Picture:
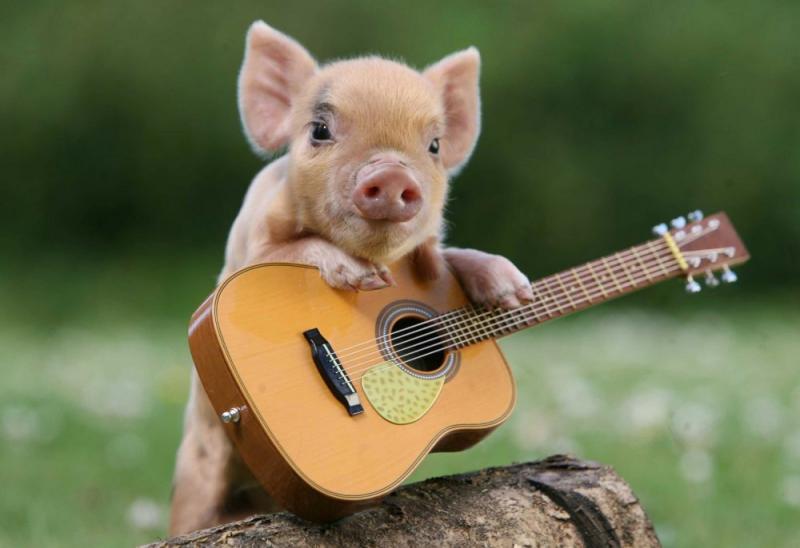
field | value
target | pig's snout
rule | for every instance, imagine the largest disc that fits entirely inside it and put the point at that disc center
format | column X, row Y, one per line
column 387, row 192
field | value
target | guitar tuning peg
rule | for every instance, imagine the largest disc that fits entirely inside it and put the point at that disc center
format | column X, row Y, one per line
column 691, row 285
column 678, row 222
column 695, row 216
column 660, row 229
column 711, row 280
column 728, row 275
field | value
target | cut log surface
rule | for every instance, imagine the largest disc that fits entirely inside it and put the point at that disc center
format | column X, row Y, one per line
column 558, row 501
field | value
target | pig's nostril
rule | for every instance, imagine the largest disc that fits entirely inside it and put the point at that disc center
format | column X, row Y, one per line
column 372, row 192
column 409, row 195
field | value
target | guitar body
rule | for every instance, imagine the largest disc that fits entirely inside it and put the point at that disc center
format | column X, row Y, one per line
column 302, row 443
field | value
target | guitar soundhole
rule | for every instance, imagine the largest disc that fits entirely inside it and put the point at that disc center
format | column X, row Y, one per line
column 418, row 343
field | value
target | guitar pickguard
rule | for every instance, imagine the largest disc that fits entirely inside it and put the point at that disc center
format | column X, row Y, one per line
column 398, row 396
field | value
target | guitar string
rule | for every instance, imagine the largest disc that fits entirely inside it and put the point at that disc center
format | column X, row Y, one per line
column 632, row 252
column 473, row 321
column 383, row 364
column 468, row 318
column 422, row 328
column 559, row 297
column 347, row 351
column 442, row 319
column 654, row 263
column 495, row 325
column 655, row 269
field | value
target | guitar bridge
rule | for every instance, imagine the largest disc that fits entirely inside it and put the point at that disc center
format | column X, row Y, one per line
column 332, row 372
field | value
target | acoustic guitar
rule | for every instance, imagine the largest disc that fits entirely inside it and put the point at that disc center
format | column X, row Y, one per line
column 333, row 397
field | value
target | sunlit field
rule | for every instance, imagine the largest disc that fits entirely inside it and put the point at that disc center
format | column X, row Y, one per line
column 698, row 409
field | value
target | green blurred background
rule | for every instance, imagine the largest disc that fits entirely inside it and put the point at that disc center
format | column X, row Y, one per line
column 123, row 165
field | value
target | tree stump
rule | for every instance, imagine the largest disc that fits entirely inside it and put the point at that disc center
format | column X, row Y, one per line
column 558, row 501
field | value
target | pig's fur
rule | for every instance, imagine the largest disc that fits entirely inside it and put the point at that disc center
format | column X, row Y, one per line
column 299, row 209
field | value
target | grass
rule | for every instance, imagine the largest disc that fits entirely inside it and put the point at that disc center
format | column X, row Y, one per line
column 699, row 410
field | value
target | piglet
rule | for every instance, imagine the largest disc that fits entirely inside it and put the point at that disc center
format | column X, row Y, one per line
column 370, row 147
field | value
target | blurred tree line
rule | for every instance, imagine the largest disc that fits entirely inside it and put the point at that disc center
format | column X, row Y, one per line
column 600, row 118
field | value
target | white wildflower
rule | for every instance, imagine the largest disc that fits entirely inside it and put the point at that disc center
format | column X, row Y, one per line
column 791, row 490
column 694, row 424
column 145, row 514
column 646, row 410
column 696, row 466
column 763, row 417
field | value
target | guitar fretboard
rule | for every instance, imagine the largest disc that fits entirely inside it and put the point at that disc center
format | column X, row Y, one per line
column 565, row 292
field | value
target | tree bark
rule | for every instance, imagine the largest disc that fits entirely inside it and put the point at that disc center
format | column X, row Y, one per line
column 558, row 501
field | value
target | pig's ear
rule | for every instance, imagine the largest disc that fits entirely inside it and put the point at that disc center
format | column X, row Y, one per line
column 274, row 70
column 456, row 78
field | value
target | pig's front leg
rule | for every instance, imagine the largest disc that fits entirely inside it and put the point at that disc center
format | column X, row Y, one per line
column 338, row 268
column 489, row 280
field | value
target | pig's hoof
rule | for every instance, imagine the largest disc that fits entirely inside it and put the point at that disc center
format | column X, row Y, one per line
column 356, row 274
column 495, row 282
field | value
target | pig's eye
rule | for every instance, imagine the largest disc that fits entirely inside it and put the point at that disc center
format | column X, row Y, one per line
column 434, row 148
column 320, row 132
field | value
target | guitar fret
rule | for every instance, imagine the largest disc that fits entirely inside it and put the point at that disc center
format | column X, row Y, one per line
column 507, row 319
column 537, row 296
column 596, row 279
column 513, row 320
column 438, row 326
column 624, row 269
column 455, row 328
column 638, row 258
column 465, row 326
column 442, row 320
column 576, row 290
column 553, row 298
column 658, row 259
column 532, row 315
column 611, row 274
column 469, row 325
column 479, row 324
column 497, row 321
column 521, row 318
column 558, row 296
column 475, row 325
column 454, row 332
column 564, row 287
column 529, row 315
column 483, row 332
column 580, row 283
column 491, row 321
column 497, row 326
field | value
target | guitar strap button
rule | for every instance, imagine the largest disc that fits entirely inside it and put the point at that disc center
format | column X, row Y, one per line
column 231, row 415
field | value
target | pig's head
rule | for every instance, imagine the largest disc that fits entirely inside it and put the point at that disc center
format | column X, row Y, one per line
column 371, row 142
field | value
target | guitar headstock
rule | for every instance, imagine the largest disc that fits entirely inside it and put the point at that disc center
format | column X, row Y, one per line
column 707, row 245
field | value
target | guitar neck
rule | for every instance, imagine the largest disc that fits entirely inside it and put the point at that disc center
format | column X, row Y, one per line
column 566, row 292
